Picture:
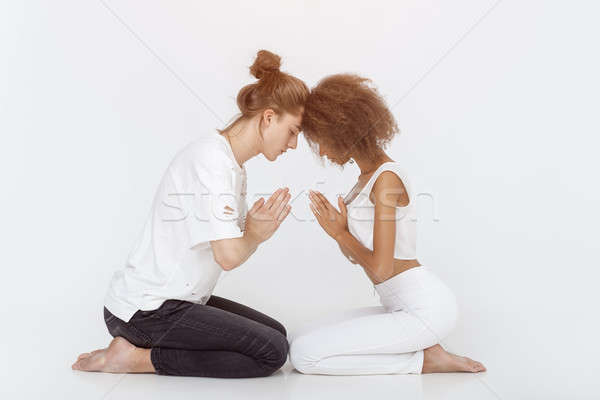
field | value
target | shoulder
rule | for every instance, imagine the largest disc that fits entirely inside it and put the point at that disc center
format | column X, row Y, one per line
column 208, row 153
column 389, row 189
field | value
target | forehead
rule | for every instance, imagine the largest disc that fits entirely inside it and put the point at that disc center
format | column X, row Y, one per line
column 292, row 119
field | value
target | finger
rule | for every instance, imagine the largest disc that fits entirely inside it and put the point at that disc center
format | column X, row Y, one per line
column 316, row 203
column 326, row 202
column 271, row 200
column 285, row 213
column 316, row 200
column 318, row 217
column 342, row 206
column 327, row 210
column 282, row 198
column 322, row 200
column 315, row 213
column 282, row 205
column 257, row 205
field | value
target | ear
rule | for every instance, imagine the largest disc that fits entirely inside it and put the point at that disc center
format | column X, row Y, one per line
column 268, row 116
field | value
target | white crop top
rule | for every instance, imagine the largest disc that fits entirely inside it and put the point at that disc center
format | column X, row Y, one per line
column 361, row 216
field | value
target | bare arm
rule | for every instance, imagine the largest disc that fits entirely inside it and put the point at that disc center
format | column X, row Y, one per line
column 346, row 253
column 388, row 191
column 231, row 253
column 262, row 221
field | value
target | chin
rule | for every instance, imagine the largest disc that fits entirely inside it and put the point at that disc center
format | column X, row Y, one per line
column 270, row 157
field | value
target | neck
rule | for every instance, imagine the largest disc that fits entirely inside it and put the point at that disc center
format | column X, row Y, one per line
column 244, row 139
column 369, row 165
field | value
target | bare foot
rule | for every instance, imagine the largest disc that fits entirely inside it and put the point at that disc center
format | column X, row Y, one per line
column 436, row 359
column 119, row 357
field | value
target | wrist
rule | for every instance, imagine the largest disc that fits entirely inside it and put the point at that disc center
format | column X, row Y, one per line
column 340, row 236
column 252, row 238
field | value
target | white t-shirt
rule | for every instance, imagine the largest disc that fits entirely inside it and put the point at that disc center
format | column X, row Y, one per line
column 172, row 258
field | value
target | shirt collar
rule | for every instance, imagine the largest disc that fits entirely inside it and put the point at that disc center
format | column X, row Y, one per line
column 236, row 166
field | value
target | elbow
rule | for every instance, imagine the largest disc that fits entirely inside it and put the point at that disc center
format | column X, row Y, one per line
column 224, row 254
column 225, row 260
column 383, row 270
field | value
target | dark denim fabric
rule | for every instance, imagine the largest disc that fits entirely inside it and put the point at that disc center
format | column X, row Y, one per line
column 222, row 339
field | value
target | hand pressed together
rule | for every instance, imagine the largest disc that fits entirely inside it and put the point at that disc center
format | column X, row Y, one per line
column 264, row 218
column 333, row 222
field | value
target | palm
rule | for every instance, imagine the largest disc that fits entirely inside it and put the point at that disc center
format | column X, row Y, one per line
column 332, row 221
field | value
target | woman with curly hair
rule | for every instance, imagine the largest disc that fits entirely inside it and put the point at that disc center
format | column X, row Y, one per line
column 345, row 118
column 160, row 308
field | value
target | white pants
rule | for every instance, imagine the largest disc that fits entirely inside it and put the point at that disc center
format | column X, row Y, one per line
column 418, row 310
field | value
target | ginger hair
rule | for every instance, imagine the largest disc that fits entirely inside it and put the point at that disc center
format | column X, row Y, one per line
column 274, row 89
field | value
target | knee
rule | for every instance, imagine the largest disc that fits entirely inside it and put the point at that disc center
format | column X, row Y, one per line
column 279, row 326
column 300, row 355
column 276, row 355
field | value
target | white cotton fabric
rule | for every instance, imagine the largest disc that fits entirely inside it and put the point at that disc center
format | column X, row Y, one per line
column 172, row 257
column 418, row 310
column 361, row 216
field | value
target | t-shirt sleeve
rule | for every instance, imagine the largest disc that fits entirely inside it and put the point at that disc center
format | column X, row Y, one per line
column 214, row 190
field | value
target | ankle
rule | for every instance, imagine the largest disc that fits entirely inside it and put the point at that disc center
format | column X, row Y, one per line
column 141, row 360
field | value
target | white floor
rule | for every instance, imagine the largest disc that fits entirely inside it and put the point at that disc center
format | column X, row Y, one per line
column 520, row 352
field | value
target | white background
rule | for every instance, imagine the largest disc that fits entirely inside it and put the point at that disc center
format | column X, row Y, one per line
column 497, row 103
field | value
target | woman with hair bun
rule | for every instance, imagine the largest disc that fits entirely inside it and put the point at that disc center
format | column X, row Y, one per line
column 346, row 119
column 159, row 308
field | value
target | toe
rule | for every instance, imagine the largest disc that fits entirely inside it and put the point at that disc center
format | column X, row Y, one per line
column 470, row 365
column 83, row 364
column 476, row 366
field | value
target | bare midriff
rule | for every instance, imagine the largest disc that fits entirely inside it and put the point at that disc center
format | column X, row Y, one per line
column 399, row 267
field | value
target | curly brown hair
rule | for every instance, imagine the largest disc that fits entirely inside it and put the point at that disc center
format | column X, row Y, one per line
column 348, row 116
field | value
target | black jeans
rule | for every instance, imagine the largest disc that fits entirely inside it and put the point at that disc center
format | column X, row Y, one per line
column 222, row 339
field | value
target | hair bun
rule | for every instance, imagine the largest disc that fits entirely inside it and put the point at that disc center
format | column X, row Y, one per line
column 265, row 63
